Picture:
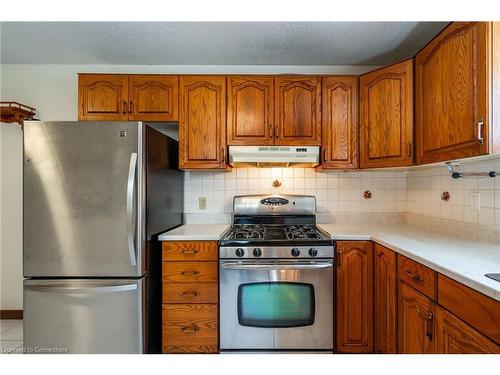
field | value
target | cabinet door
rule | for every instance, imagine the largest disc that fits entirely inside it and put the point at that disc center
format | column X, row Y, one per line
column 153, row 98
column 250, row 110
column 416, row 327
column 202, row 125
column 354, row 297
column 386, row 116
column 457, row 337
column 298, row 111
column 452, row 93
column 386, row 286
column 339, row 124
column 102, row 97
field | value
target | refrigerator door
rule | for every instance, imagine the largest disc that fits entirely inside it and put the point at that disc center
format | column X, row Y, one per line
column 82, row 181
column 83, row 316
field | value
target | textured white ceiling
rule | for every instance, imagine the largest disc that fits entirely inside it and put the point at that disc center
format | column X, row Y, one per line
column 213, row 43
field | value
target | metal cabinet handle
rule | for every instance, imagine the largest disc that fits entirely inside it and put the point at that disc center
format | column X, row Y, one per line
column 324, row 154
column 129, row 204
column 191, row 329
column 130, row 107
column 189, row 273
column 415, row 277
column 190, row 293
column 223, row 155
column 190, row 251
column 429, row 326
column 480, row 125
column 409, row 149
column 271, row 128
column 124, row 107
column 276, row 133
column 339, row 263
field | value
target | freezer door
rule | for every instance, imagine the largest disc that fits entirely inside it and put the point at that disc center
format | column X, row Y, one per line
column 82, row 181
column 83, row 316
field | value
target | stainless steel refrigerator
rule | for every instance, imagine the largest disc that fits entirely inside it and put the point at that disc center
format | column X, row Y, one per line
column 96, row 196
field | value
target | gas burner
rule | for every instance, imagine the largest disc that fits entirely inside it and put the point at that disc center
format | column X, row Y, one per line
column 246, row 232
column 302, row 232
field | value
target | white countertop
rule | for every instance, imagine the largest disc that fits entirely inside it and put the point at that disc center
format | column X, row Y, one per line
column 462, row 260
column 195, row 232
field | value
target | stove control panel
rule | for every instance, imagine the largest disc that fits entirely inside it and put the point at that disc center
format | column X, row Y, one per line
column 227, row 252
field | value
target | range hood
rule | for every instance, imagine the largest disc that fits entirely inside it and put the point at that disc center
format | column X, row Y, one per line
column 274, row 156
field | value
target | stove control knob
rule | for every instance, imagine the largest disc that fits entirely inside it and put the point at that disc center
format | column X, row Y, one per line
column 257, row 252
column 313, row 252
column 295, row 252
column 240, row 252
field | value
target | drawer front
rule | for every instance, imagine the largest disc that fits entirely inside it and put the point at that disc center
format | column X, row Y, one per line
column 189, row 250
column 190, row 328
column 476, row 309
column 190, row 293
column 418, row 276
column 190, row 272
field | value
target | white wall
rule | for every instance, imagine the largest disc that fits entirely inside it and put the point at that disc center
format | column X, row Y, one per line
column 53, row 89
column 11, row 224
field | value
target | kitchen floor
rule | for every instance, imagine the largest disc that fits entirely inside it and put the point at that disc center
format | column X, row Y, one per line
column 11, row 336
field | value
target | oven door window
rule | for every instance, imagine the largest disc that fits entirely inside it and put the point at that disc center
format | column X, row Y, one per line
column 276, row 304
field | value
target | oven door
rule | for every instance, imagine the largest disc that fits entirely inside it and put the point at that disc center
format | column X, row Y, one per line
column 276, row 304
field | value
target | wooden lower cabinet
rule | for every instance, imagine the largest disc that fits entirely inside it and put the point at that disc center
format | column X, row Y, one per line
column 385, row 300
column 416, row 326
column 190, row 328
column 190, row 296
column 354, row 297
column 456, row 337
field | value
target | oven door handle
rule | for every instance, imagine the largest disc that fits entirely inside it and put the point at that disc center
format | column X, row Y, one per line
column 276, row 265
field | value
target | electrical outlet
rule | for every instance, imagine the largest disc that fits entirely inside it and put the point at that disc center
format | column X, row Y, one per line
column 475, row 199
column 202, row 203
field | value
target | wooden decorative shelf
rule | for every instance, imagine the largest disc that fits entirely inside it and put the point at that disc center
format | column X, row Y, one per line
column 15, row 112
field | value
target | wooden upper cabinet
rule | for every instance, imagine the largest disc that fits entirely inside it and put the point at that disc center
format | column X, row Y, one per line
column 386, row 116
column 250, row 110
column 385, row 296
column 452, row 84
column 339, row 125
column 102, row 97
column 202, row 125
column 416, row 322
column 457, row 337
column 298, row 112
column 354, row 303
column 153, row 98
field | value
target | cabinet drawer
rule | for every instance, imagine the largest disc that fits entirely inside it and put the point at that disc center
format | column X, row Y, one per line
column 476, row 309
column 418, row 276
column 190, row 293
column 189, row 250
column 189, row 328
column 190, row 272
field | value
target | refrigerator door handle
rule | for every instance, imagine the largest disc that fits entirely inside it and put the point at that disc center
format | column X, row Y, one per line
column 61, row 288
column 130, row 201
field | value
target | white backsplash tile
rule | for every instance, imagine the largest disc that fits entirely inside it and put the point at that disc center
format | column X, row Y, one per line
column 414, row 191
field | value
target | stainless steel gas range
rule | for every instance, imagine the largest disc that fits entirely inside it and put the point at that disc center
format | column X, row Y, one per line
column 276, row 276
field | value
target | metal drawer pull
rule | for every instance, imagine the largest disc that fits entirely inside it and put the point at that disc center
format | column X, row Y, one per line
column 189, row 273
column 415, row 277
column 191, row 293
column 190, row 251
column 191, row 329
